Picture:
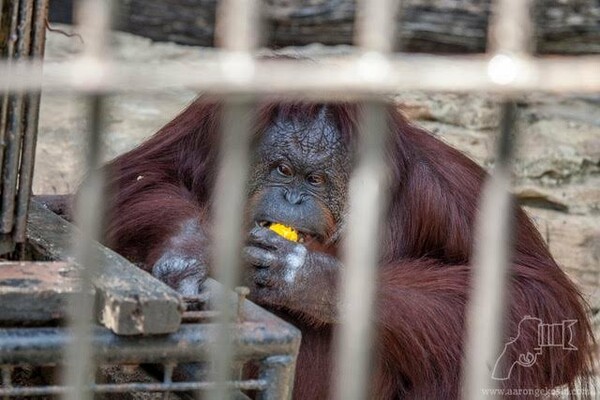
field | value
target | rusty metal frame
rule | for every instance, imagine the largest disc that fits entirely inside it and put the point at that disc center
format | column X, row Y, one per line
column 256, row 335
column 139, row 304
column 18, row 120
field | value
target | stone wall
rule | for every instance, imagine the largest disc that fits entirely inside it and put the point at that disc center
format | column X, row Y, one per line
column 556, row 173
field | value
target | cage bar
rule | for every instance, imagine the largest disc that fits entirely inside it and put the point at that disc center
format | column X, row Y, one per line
column 510, row 28
column 238, row 35
column 331, row 77
column 376, row 25
column 79, row 367
column 230, row 195
column 22, row 40
column 375, row 33
column 361, row 257
column 11, row 118
column 510, row 38
column 492, row 259
column 94, row 21
column 255, row 384
column 38, row 42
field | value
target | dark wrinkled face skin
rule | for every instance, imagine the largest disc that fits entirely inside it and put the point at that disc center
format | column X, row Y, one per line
column 300, row 178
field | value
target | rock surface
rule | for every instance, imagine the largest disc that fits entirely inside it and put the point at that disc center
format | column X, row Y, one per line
column 557, row 171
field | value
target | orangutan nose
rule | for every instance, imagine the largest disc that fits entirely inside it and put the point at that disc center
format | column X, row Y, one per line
column 294, row 196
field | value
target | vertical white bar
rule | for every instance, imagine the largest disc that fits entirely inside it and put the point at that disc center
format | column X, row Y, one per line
column 361, row 255
column 510, row 29
column 375, row 27
column 491, row 261
column 78, row 359
column 229, row 202
column 237, row 33
column 93, row 22
column 238, row 25
column 93, row 18
column 509, row 37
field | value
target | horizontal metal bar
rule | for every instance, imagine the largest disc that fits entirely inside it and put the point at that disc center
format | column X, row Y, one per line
column 255, row 384
column 261, row 335
column 347, row 76
column 191, row 343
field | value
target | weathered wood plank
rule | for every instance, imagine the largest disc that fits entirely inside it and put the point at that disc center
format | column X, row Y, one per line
column 59, row 204
column 36, row 292
column 129, row 301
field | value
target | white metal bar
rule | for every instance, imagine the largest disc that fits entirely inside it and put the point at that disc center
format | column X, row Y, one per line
column 238, row 25
column 491, row 262
column 94, row 22
column 510, row 39
column 510, row 30
column 361, row 256
column 78, row 359
column 375, row 35
column 229, row 201
column 327, row 78
column 238, row 29
column 376, row 25
column 93, row 18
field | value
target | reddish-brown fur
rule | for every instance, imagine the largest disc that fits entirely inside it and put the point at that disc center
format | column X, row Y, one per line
column 424, row 274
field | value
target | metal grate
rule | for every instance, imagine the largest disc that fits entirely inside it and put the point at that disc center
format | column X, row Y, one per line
column 507, row 68
column 23, row 31
column 257, row 335
column 130, row 306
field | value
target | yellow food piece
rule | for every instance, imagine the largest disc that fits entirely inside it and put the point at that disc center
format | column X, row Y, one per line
column 286, row 232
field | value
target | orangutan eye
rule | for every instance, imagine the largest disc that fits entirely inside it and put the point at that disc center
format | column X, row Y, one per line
column 285, row 170
column 315, row 180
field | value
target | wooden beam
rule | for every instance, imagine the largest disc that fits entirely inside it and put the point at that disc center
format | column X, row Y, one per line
column 129, row 301
column 36, row 292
